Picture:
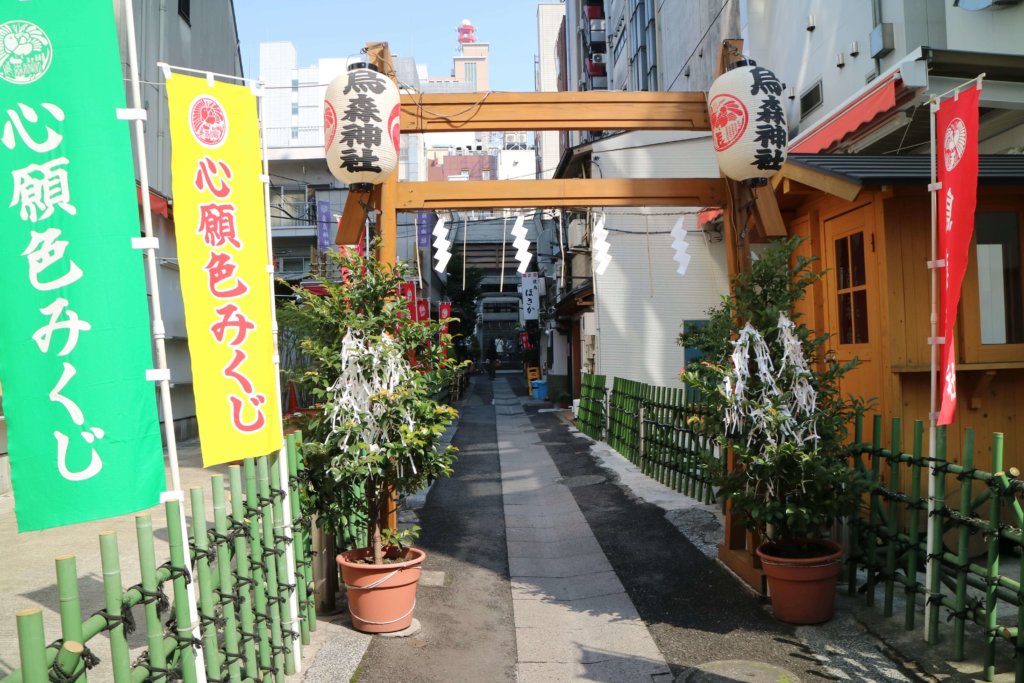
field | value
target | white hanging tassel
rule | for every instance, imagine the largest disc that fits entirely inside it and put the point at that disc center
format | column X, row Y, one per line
column 443, row 246
column 681, row 246
column 521, row 244
column 599, row 246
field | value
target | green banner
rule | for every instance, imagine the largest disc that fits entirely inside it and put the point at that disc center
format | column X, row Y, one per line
column 83, row 435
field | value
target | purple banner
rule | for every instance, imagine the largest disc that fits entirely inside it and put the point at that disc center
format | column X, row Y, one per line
column 323, row 226
column 423, row 229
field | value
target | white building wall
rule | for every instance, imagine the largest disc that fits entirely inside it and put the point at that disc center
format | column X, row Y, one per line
column 549, row 20
column 640, row 300
column 996, row 30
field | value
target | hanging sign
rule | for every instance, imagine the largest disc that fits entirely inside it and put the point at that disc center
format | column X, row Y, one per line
column 222, row 258
column 422, row 309
column 423, row 229
column 83, row 435
column 956, row 127
column 531, row 296
column 323, row 226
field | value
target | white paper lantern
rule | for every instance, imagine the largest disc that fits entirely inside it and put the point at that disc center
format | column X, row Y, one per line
column 361, row 126
column 748, row 122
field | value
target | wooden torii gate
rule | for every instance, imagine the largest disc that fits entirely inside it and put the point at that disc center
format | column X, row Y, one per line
column 547, row 111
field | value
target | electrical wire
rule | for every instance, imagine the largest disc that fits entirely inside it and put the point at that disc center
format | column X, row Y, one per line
column 699, row 43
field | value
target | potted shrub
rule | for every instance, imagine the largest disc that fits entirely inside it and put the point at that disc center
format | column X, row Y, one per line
column 773, row 398
column 377, row 429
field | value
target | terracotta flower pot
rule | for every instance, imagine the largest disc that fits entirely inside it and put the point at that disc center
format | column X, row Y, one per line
column 381, row 597
column 802, row 589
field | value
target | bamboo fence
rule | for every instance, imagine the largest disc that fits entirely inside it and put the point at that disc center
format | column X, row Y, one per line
column 239, row 566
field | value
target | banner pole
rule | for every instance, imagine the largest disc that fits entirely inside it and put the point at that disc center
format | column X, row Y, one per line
column 282, row 457
column 150, row 255
column 932, row 375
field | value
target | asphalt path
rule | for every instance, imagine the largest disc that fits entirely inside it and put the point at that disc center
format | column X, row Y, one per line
column 467, row 625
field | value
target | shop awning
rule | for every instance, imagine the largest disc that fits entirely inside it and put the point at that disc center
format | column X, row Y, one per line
column 157, row 204
column 877, row 102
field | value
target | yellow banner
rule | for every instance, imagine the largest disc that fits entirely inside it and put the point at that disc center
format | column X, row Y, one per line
column 220, row 224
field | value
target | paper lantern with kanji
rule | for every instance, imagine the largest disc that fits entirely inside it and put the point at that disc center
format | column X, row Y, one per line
column 748, row 122
column 361, row 126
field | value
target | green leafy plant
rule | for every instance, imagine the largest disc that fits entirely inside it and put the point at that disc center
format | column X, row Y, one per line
column 772, row 396
column 373, row 373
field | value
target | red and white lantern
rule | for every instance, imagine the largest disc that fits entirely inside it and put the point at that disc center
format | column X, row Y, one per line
column 361, row 126
column 748, row 122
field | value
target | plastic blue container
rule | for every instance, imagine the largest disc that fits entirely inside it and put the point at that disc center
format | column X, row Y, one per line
column 540, row 389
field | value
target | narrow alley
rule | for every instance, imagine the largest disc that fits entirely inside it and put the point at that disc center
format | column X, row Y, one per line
column 542, row 566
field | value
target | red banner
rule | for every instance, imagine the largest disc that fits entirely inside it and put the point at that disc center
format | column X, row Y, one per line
column 956, row 129
column 444, row 311
column 407, row 290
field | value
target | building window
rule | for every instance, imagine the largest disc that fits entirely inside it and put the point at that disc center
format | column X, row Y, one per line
column 1000, row 296
column 185, row 10
column 295, row 108
column 485, row 175
column 644, row 57
column 810, row 100
column 471, row 73
column 295, row 84
column 851, row 289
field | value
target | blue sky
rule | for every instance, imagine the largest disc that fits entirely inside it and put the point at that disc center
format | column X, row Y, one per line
column 424, row 29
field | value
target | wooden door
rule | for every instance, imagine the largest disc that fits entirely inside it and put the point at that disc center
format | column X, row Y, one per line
column 852, row 301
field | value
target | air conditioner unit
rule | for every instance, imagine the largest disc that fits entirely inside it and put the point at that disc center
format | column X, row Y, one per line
column 577, row 233
column 589, row 324
column 599, row 58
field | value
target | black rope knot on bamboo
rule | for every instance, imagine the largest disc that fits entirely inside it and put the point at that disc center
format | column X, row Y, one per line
column 284, row 539
column 215, row 621
column 59, row 675
column 177, row 572
column 216, row 537
column 207, row 554
column 149, row 597
column 969, row 474
column 125, row 619
column 229, row 597
column 276, row 493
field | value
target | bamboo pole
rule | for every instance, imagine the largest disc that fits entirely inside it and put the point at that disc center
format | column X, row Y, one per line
column 274, row 599
column 70, row 603
column 69, row 661
column 201, row 544
column 914, row 531
column 854, row 519
column 874, row 507
column 963, row 557
column 936, row 501
column 182, row 615
column 300, row 540
column 310, row 608
column 227, row 581
column 991, row 597
column 281, row 534
column 247, row 624
column 113, row 590
column 262, row 614
column 147, row 566
column 893, row 527
column 32, row 646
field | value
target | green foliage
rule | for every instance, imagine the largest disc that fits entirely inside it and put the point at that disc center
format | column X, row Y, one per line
column 784, row 487
column 351, row 471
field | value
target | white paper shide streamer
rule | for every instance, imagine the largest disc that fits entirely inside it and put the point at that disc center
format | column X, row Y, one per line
column 680, row 245
column 521, row 244
column 442, row 244
column 599, row 246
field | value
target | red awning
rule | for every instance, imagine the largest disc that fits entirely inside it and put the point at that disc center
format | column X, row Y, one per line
column 157, row 204
column 877, row 102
